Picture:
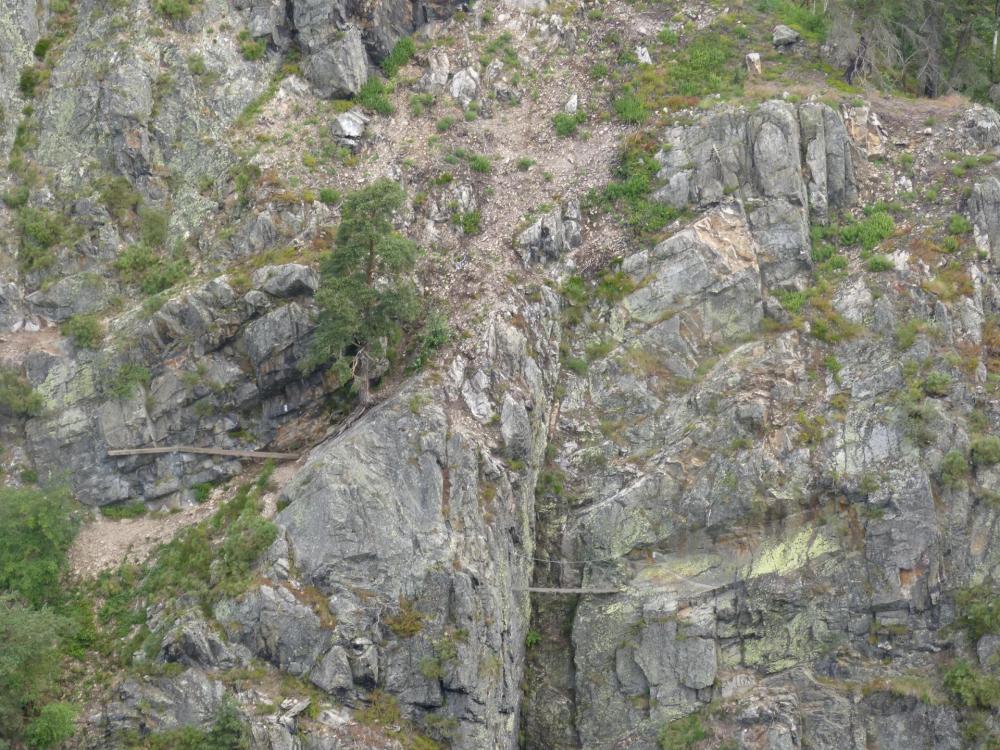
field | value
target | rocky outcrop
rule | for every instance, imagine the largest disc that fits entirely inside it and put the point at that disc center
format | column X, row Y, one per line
column 785, row 164
column 416, row 525
column 179, row 377
column 552, row 235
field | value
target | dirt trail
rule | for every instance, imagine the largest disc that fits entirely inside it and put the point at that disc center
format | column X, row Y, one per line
column 103, row 543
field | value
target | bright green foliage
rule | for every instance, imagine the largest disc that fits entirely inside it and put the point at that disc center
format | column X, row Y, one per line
column 85, row 331
column 566, row 124
column 986, row 451
column 480, row 163
column 374, row 95
column 366, row 299
column 471, row 222
column 954, row 468
column 971, row 688
column 682, row 734
column 868, row 232
column 329, row 196
column 400, row 55
column 28, row 661
column 36, row 529
column 52, row 726
column 803, row 18
column 17, row 398
column 790, row 299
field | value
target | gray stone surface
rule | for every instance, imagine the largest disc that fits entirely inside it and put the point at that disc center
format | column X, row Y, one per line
column 338, row 68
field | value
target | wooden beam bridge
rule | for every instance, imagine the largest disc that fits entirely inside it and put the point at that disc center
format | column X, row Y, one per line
column 208, row 451
column 568, row 592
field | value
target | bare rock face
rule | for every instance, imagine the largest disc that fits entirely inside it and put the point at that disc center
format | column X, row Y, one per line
column 430, row 566
column 339, row 68
column 553, row 235
column 759, row 158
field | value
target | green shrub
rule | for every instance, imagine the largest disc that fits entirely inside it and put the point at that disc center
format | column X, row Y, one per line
column 251, row 49
column 153, row 226
column 375, row 96
column 407, row 621
column 614, row 286
column 17, row 397
column 16, row 197
column 117, row 512
column 985, row 450
column 85, row 331
column 524, row 164
column 682, row 734
column 31, row 660
column 879, row 263
column 53, row 726
column 566, row 124
column 937, row 384
column 630, row 109
column 400, row 55
column 479, row 163
column 954, row 468
column 971, row 688
column 127, row 378
column 630, row 192
column 806, row 19
column 119, row 197
column 42, row 47
column 36, row 529
column 31, row 78
column 228, row 732
column 958, row 224
column 176, row 10
column 444, row 124
column 40, row 231
column 868, row 232
column 978, row 610
column 471, row 222
column 790, row 299
column 329, row 196
column 152, row 273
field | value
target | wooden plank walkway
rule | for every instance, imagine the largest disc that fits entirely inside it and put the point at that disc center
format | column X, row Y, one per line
column 209, row 451
column 547, row 590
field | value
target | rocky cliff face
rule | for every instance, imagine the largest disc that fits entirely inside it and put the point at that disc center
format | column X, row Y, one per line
column 708, row 458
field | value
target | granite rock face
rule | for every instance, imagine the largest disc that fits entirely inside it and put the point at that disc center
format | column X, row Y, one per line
column 785, row 164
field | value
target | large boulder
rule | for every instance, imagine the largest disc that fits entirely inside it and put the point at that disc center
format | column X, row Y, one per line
column 339, row 68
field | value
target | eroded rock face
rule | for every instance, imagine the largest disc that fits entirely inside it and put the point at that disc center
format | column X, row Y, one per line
column 760, row 158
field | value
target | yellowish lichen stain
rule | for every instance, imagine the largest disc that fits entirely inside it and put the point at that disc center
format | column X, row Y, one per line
column 790, row 554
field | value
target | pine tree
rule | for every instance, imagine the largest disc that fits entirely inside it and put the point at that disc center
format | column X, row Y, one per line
column 366, row 297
